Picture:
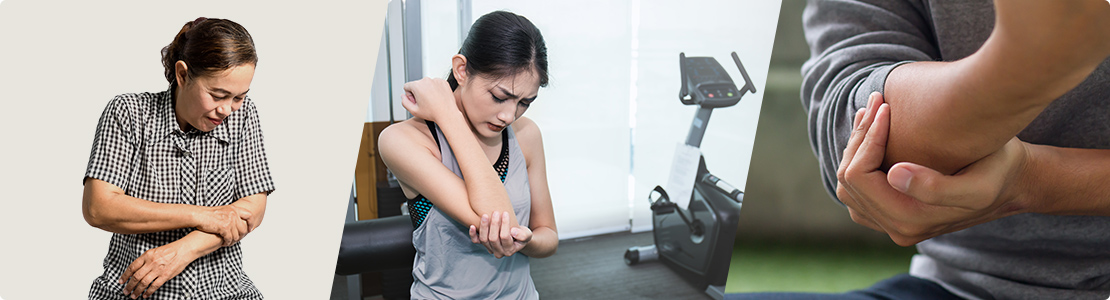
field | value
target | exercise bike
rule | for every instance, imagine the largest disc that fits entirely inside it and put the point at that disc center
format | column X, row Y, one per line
column 696, row 241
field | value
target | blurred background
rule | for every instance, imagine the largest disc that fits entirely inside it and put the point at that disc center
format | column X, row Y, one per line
column 792, row 235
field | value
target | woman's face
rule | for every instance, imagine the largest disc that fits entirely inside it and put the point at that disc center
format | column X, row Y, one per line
column 491, row 104
column 203, row 102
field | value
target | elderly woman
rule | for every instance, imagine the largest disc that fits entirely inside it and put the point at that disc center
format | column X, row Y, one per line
column 180, row 176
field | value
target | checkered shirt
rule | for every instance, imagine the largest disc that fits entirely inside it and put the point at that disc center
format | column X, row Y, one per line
column 140, row 148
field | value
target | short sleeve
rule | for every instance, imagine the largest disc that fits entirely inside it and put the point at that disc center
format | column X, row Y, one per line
column 252, row 168
column 853, row 46
column 114, row 145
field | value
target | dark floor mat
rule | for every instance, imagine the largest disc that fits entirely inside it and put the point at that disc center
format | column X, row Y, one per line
column 593, row 268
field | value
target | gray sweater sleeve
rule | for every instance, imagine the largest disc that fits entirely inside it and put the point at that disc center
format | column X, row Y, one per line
column 853, row 46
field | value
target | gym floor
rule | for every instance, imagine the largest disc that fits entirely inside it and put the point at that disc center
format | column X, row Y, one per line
column 594, row 267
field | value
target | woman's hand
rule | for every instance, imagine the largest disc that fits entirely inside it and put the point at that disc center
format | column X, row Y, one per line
column 429, row 99
column 229, row 222
column 499, row 238
column 156, row 266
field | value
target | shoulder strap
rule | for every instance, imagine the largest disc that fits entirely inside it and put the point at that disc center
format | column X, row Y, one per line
column 435, row 136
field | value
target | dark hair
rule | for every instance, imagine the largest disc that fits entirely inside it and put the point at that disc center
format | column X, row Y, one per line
column 208, row 46
column 502, row 43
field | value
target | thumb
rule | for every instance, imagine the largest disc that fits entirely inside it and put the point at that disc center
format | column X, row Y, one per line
column 521, row 233
column 922, row 183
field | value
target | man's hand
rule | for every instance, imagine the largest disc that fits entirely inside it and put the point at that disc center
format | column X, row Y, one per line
column 152, row 269
column 914, row 203
column 229, row 222
column 499, row 238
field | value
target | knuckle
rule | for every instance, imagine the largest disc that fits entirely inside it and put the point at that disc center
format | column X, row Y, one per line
column 852, row 175
column 842, row 194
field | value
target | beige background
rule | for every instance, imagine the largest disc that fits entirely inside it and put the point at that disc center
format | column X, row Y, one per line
column 60, row 63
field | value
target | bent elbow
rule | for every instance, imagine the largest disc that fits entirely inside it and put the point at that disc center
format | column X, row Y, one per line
column 94, row 212
column 93, row 216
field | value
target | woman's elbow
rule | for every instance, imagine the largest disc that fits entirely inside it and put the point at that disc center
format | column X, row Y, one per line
column 93, row 213
column 94, row 210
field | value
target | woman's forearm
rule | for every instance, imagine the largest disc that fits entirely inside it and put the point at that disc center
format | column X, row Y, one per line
column 544, row 243
column 256, row 204
column 107, row 207
column 199, row 243
column 484, row 189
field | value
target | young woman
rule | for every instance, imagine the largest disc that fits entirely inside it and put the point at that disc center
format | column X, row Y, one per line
column 180, row 176
column 474, row 237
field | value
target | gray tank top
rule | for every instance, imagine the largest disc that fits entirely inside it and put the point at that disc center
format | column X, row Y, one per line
column 449, row 266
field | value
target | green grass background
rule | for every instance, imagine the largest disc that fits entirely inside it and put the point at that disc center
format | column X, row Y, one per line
column 813, row 267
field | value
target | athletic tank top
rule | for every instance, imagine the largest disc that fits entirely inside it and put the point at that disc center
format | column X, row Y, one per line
column 447, row 264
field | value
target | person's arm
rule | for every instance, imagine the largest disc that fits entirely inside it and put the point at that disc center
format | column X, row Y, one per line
column 946, row 115
column 156, row 266
column 1066, row 181
column 255, row 205
column 853, row 46
column 107, row 207
column 410, row 155
column 912, row 203
column 545, row 236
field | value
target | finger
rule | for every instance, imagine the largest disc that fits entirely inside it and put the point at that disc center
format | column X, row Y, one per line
column 873, row 102
column 859, row 213
column 243, row 228
column 857, row 135
column 506, row 238
column 864, row 220
column 859, row 117
column 474, row 234
column 522, row 233
column 863, row 179
column 931, row 187
column 155, row 286
column 130, row 270
column 144, row 284
column 232, row 234
column 134, row 280
column 495, row 234
column 869, row 155
column 483, row 229
column 410, row 106
column 483, row 233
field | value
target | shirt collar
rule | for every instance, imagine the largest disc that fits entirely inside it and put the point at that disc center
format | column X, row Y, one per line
column 170, row 126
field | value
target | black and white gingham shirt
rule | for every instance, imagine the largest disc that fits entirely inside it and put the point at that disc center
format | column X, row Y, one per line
column 140, row 148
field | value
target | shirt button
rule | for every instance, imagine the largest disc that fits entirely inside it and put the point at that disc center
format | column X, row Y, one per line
column 188, row 295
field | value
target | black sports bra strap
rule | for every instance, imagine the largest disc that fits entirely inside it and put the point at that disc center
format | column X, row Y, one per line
column 432, row 128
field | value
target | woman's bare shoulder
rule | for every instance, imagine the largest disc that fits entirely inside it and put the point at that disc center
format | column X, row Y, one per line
column 529, row 137
column 405, row 134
